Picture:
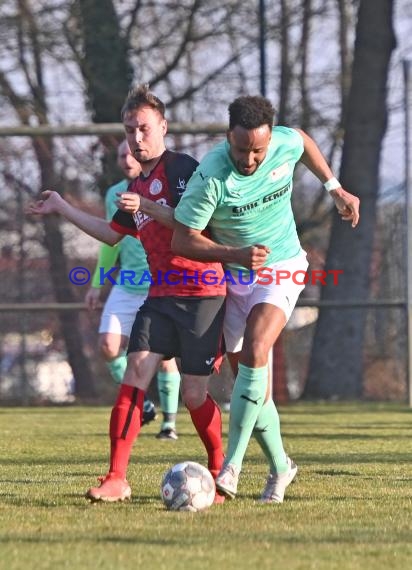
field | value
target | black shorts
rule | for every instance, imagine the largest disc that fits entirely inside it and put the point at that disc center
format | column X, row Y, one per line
column 187, row 327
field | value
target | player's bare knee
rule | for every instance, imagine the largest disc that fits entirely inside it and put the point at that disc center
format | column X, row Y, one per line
column 108, row 350
column 194, row 390
column 141, row 368
column 134, row 365
column 135, row 376
column 193, row 401
column 193, row 396
column 255, row 354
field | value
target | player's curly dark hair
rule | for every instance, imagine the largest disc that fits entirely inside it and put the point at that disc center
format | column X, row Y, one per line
column 140, row 96
column 251, row 112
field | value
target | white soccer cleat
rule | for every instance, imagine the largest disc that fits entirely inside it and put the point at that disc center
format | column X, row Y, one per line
column 276, row 484
column 227, row 480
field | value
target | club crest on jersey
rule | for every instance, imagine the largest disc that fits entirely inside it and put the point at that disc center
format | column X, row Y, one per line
column 280, row 172
column 155, row 187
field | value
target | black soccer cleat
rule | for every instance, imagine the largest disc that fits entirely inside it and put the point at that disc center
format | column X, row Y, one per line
column 167, row 434
column 149, row 412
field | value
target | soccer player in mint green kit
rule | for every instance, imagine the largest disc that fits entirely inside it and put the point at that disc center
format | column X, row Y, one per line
column 124, row 301
column 242, row 192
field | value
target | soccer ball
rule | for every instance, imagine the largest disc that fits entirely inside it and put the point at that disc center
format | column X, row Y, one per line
column 188, row 486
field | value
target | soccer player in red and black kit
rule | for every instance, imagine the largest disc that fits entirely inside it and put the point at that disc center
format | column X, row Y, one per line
column 183, row 313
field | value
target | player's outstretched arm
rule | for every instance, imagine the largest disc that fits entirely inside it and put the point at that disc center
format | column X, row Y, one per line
column 53, row 203
column 347, row 204
column 192, row 244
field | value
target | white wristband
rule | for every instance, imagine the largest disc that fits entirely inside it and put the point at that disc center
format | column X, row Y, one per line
column 332, row 184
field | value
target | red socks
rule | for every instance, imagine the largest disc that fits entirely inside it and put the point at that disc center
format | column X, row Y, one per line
column 125, row 422
column 208, row 423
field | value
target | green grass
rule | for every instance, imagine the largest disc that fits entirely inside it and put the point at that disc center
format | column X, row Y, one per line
column 350, row 508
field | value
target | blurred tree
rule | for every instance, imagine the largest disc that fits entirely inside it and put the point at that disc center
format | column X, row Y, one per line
column 33, row 108
column 102, row 53
column 105, row 62
column 336, row 367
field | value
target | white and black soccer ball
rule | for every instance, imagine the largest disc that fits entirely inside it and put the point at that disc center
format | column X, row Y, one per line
column 188, row 486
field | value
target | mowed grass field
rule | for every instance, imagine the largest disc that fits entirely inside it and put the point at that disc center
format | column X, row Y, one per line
column 350, row 507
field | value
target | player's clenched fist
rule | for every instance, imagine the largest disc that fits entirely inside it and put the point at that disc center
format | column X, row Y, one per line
column 128, row 202
column 253, row 256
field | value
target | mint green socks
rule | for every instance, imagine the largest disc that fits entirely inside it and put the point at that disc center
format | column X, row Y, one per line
column 168, row 386
column 247, row 400
column 267, row 434
column 117, row 367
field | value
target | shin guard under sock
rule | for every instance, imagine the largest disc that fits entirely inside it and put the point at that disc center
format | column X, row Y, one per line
column 267, row 434
column 247, row 400
column 117, row 367
column 168, row 387
column 208, row 423
column 125, row 422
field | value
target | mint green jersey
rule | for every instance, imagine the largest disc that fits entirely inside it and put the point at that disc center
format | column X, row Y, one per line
column 131, row 252
column 245, row 210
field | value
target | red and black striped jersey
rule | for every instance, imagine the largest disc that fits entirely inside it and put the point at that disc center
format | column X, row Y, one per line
column 171, row 275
